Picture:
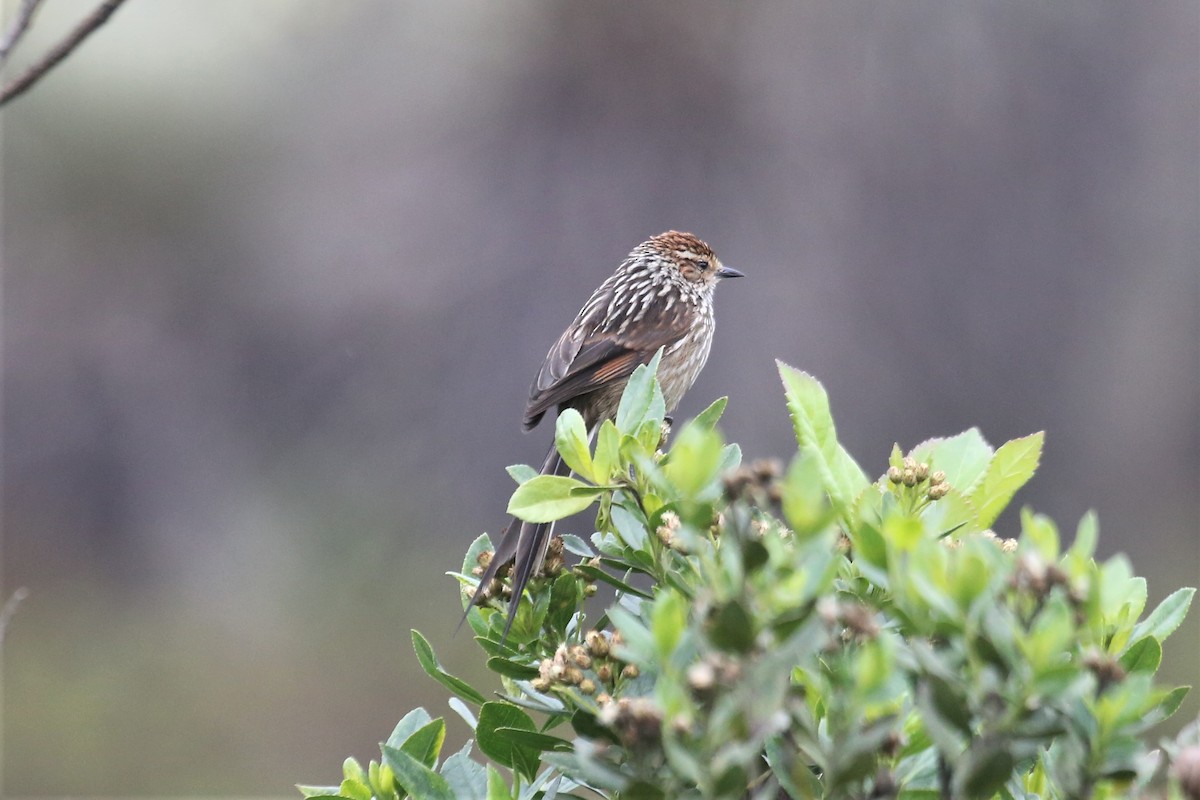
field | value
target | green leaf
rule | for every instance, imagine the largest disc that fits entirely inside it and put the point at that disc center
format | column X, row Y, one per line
column 952, row 513
column 639, row 642
column 571, row 439
column 417, row 779
column 573, row 544
column 608, row 452
column 426, row 743
column 668, row 618
column 534, row 740
column 1039, row 532
column 521, row 472
column 1173, row 700
column 354, row 789
column 597, row 574
column 1163, row 620
column 1144, row 655
column 794, row 777
column 495, row 716
column 984, row 769
column 731, row 458
column 707, row 419
column 565, row 597
column 512, row 669
column 1084, row 546
column 317, row 792
column 803, row 496
column 1049, row 636
column 465, row 777
column 629, row 526
column 944, row 717
column 460, row 708
column 964, row 458
column 731, row 628
column 352, row 770
column 433, row 669
column 1011, row 468
column 642, row 399
column 694, row 460
column 547, row 498
column 412, row 722
column 497, row 789
column 808, row 406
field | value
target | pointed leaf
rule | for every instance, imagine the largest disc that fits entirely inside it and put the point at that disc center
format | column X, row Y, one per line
column 521, row 472
column 694, row 460
column 424, row 744
column 808, row 406
column 493, row 716
column 535, row 740
column 412, row 722
column 608, row 452
column 1144, row 655
column 497, row 789
column 707, row 419
column 597, row 574
column 547, row 498
column 512, row 669
column 1011, row 468
column 433, row 669
column 466, row 777
column 1163, row 620
column 571, row 439
column 964, row 458
column 642, row 399
column 416, row 778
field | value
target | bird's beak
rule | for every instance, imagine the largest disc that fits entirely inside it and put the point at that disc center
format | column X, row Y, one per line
column 729, row 272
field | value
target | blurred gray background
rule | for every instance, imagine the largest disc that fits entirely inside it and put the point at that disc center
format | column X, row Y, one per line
column 277, row 276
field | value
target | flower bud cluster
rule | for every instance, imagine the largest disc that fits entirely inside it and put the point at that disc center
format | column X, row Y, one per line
column 915, row 474
column 588, row 666
column 496, row 588
column 552, row 565
column 756, row 483
column 712, row 671
column 668, row 529
column 636, row 720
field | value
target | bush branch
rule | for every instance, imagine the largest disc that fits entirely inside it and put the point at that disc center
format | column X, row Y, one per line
column 59, row 51
column 17, row 29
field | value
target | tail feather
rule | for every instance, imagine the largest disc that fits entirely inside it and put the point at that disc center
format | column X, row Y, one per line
column 524, row 544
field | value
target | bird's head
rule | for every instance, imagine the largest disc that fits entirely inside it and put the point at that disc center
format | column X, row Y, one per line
column 689, row 261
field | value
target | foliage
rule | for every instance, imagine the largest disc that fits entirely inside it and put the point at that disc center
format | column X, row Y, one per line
column 795, row 633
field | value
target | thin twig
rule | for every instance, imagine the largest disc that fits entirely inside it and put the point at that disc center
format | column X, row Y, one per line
column 17, row 29
column 61, row 50
column 10, row 608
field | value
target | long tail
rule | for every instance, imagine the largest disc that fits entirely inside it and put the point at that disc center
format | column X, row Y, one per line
column 524, row 544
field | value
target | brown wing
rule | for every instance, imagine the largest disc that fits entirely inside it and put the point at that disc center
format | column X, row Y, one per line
column 597, row 351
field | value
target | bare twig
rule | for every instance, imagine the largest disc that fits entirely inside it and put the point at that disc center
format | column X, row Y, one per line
column 17, row 29
column 10, row 608
column 61, row 50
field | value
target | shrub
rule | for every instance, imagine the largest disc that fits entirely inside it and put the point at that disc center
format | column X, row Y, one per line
column 800, row 632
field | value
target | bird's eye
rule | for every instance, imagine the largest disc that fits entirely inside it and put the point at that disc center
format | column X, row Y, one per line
column 701, row 264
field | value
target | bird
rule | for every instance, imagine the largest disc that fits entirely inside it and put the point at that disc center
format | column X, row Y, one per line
column 660, row 297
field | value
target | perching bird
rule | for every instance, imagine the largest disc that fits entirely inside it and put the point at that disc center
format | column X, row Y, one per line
column 660, row 297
